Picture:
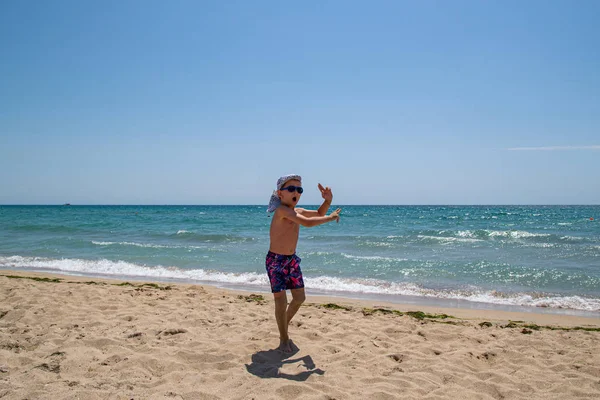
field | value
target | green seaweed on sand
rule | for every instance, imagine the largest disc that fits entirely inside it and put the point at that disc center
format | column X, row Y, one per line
column 532, row 326
column 535, row 327
column 372, row 311
column 123, row 284
column 563, row 328
column 152, row 285
column 582, row 328
column 421, row 315
column 155, row 286
column 89, row 283
column 448, row 322
column 385, row 311
column 258, row 298
column 33, row 278
column 333, row 306
column 143, row 285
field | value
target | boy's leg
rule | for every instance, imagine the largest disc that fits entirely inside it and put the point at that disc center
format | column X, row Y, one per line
column 282, row 322
column 298, row 298
column 296, row 285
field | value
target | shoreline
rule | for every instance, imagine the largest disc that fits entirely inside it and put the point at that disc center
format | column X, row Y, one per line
column 393, row 300
column 545, row 317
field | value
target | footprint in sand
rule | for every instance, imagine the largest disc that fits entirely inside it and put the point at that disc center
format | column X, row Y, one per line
column 396, row 357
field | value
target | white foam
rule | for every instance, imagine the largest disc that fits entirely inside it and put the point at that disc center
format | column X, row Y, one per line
column 541, row 245
column 501, row 234
column 379, row 258
column 516, row 234
column 408, row 289
column 320, row 253
column 379, row 244
column 123, row 268
column 465, row 234
column 154, row 246
column 448, row 240
column 326, row 283
column 572, row 238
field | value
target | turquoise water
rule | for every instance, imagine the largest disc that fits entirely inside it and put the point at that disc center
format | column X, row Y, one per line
column 532, row 256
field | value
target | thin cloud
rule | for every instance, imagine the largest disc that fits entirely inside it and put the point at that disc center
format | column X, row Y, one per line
column 554, row 148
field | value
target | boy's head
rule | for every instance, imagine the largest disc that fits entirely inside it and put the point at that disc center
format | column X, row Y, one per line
column 289, row 189
column 290, row 192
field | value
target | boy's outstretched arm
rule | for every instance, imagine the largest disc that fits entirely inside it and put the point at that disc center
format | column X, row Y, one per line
column 301, row 219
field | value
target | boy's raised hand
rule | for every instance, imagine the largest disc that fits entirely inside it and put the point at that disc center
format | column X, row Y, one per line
column 336, row 215
column 326, row 193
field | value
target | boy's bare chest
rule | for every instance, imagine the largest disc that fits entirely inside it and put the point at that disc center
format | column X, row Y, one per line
column 285, row 228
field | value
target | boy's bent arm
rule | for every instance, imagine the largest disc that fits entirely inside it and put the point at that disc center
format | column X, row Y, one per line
column 324, row 207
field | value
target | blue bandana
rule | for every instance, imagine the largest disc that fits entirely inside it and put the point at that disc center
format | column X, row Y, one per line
column 275, row 200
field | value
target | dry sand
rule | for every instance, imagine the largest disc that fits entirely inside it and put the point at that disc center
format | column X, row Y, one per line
column 77, row 340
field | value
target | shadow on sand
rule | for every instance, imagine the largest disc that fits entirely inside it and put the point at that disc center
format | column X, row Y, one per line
column 266, row 364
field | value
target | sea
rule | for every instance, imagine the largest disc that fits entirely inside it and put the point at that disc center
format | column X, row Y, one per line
column 517, row 258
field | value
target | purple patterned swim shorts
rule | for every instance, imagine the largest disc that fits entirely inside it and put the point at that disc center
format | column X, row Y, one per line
column 284, row 272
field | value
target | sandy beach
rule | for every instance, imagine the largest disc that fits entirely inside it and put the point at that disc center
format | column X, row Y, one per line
column 64, row 337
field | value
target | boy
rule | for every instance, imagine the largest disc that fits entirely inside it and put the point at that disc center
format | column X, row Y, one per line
column 283, row 265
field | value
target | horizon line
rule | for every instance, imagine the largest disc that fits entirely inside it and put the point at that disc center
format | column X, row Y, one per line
column 554, row 148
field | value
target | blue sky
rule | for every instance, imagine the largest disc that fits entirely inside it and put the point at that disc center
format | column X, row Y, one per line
column 387, row 102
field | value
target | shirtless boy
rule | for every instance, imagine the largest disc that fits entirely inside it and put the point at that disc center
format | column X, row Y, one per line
column 283, row 265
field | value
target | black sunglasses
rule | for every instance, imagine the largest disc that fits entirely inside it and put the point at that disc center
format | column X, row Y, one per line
column 293, row 189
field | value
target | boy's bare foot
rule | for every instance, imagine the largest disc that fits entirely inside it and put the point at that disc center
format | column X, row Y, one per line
column 286, row 346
